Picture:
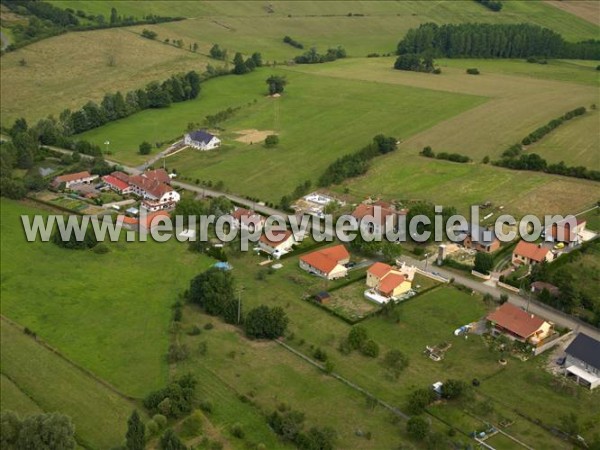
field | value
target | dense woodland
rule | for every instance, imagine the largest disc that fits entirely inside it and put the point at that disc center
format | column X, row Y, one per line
column 482, row 40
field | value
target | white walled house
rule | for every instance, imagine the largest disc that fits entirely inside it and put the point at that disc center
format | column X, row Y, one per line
column 74, row 178
column 201, row 140
column 155, row 194
column 583, row 360
column 282, row 244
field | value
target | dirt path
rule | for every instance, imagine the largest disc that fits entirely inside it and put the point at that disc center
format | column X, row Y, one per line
column 253, row 136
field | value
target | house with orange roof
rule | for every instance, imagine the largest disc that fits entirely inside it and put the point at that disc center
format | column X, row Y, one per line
column 73, row 178
column 516, row 324
column 528, row 253
column 387, row 281
column 377, row 218
column 278, row 244
column 247, row 219
column 117, row 185
column 569, row 231
column 327, row 263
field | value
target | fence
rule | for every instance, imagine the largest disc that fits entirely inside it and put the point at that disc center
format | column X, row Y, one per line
column 507, row 287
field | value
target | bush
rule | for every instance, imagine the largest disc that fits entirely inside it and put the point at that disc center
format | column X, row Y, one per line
column 160, row 420
column 473, row 71
column 320, row 355
column 209, row 326
column 145, row 148
column 417, row 428
column 452, row 389
column 357, row 337
column 370, row 348
column 151, row 427
column 195, row 330
column 419, row 400
column 395, row 362
column 177, row 352
column 192, row 425
column 266, row 323
column 101, row 249
column 271, row 141
column 206, row 406
column 237, row 431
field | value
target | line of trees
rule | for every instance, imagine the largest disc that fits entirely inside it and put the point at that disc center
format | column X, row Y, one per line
column 554, row 123
column 482, row 40
column 514, row 158
column 494, row 5
column 292, row 42
column 46, row 20
column 242, row 66
column 356, row 164
column 314, row 57
column 454, row 157
column 212, row 120
column 39, row 431
column 177, row 88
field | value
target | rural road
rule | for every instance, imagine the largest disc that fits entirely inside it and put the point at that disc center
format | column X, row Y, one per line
column 535, row 307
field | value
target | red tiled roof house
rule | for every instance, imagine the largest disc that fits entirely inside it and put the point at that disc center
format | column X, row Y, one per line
column 519, row 325
column 529, row 253
column 327, row 263
column 387, row 281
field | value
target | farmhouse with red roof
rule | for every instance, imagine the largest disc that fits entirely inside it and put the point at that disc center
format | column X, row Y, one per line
column 73, row 178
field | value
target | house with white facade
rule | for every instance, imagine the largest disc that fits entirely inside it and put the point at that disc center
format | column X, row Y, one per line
column 73, row 178
column 278, row 244
column 583, row 360
column 529, row 253
column 328, row 263
column 201, row 140
column 155, row 193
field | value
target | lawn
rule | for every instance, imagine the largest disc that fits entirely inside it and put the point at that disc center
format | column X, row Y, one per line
column 117, row 305
column 34, row 379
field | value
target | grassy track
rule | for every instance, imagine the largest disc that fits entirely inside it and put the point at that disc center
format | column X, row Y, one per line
column 117, row 305
column 99, row 415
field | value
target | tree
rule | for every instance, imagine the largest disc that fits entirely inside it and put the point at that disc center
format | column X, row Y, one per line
column 419, row 400
column 417, row 428
column 239, row 65
column 395, row 362
column 484, row 262
column 145, row 148
column 135, row 437
column 114, row 17
column 276, row 84
column 266, row 323
column 89, row 239
column 428, row 152
column 257, row 59
column 149, row 34
column 452, row 389
column 213, row 291
column 217, row 53
column 271, row 141
column 49, row 431
column 170, row 441
column 20, row 126
column 357, row 337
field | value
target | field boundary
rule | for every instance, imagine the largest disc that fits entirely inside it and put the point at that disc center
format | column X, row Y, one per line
column 70, row 361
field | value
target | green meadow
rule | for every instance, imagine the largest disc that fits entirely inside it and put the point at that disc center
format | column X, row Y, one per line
column 34, row 379
column 108, row 312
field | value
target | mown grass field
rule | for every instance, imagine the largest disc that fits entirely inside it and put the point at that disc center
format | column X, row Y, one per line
column 35, row 379
column 69, row 70
column 576, row 142
column 108, row 312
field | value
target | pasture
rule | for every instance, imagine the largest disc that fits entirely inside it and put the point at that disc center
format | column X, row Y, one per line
column 67, row 71
column 361, row 27
column 117, row 305
column 36, row 379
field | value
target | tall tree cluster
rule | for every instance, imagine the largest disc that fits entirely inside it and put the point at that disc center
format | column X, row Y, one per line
column 314, row 57
column 49, row 431
column 214, row 292
column 483, row 40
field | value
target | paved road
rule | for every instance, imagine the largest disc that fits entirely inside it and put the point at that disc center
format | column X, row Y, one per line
column 535, row 307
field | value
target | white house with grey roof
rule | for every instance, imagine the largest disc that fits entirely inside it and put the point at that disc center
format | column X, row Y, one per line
column 201, row 140
column 583, row 360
